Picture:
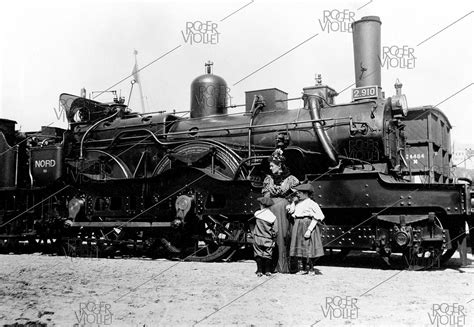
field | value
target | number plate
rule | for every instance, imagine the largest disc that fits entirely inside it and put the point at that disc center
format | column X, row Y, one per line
column 365, row 92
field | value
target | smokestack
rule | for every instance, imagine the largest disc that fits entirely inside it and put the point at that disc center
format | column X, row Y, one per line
column 366, row 39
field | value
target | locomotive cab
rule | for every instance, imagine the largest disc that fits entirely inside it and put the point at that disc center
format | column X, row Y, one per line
column 80, row 110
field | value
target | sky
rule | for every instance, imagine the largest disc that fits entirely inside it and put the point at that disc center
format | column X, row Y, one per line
column 52, row 47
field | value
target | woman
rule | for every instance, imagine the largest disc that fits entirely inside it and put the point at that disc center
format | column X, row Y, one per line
column 306, row 242
column 277, row 186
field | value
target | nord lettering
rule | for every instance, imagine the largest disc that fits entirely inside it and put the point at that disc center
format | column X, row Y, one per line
column 45, row 163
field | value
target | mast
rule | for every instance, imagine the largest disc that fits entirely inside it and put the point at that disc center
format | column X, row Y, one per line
column 137, row 80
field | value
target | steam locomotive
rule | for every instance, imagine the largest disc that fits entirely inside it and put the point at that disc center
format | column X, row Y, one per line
column 118, row 180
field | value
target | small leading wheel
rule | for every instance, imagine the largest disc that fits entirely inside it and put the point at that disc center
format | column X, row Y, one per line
column 419, row 258
column 99, row 165
column 449, row 253
column 457, row 238
column 216, row 239
column 431, row 255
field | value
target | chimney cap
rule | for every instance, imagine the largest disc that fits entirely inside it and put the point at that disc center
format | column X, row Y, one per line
column 371, row 18
column 367, row 19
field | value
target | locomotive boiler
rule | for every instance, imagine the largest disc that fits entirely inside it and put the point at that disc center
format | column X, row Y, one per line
column 187, row 182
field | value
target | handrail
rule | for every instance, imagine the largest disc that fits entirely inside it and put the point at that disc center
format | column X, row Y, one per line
column 242, row 162
column 81, row 152
column 209, row 130
column 296, row 123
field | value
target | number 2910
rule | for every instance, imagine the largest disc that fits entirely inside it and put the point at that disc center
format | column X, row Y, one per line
column 366, row 92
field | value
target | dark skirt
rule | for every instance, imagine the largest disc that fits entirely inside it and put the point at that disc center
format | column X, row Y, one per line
column 311, row 247
column 262, row 251
column 281, row 256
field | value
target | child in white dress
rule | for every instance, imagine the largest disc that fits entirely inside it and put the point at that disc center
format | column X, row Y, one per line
column 306, row 242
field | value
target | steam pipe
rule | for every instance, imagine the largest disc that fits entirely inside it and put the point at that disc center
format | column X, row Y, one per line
column 255, row 110
column 313, row 106
column 252, row 113
column 17, row 164
column 81, row 151
column 227, row 129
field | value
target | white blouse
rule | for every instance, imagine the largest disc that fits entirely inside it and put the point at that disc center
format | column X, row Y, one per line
column 306, row 208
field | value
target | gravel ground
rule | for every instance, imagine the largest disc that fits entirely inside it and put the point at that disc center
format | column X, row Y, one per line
column 64, row 291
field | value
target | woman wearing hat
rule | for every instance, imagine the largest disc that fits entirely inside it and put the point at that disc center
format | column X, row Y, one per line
column 306, row 242
column 277, row 186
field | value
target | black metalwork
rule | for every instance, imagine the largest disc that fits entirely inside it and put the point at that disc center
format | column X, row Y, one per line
column 157, row 183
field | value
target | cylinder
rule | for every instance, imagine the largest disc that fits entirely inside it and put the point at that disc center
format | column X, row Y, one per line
column 367, row 48
column 208, row 96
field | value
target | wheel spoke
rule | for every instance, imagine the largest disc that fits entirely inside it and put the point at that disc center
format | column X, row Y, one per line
column 217, row 230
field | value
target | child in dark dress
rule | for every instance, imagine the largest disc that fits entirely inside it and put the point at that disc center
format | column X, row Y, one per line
column 264, row 233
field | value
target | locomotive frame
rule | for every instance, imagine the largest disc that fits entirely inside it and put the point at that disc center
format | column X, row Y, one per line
column 145, row 183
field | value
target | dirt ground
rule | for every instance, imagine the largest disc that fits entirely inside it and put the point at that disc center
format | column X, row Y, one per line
column 65, row 291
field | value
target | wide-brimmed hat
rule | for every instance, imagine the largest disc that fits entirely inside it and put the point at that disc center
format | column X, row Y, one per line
column 266, row 201
column 304, row 188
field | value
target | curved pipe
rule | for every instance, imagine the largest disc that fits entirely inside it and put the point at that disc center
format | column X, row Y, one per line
column 313, row 106
column 242, row 162
column 119, row 162
column 153, row 135
column 81, row 152
column 254, row 112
